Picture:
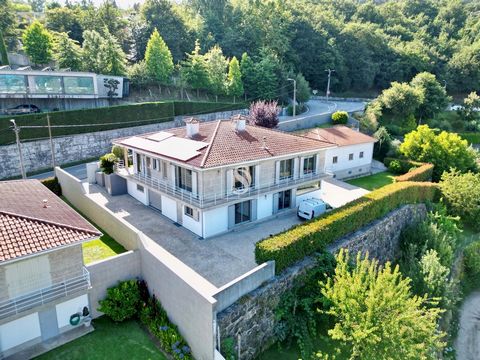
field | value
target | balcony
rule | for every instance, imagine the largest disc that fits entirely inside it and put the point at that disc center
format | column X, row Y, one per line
column 66, row 287
column 220, row 197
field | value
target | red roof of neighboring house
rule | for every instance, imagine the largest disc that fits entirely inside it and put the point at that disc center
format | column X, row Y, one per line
column 340, row 135
column 29, row 224
column 227, row 146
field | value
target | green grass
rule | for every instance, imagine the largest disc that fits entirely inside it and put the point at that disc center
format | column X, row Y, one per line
column 126, row 340
column 373, row 182
column 101, row 248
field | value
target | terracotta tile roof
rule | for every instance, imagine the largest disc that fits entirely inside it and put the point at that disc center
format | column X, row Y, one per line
column 27, row 227
column 228, row 146
column 339, row 135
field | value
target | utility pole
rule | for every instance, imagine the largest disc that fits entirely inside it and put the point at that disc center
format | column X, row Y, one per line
column 16, row 129
column 294, row 95
column 52, row 147
column 328, row 82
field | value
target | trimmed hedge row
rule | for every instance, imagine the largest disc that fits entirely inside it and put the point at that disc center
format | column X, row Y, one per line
column 105, row 118
column 53, row 185
column 302, row 240
column 412, row 170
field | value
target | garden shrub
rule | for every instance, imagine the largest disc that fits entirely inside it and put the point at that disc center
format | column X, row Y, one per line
column 107, row 162
column 118, row 151
column 395, row 167
column 228, row 349
column 471, row 261
column 122, row 301
column 472, row 138
column 340, row 118
column 53, row 185
column 411, row 170
column 305, row 239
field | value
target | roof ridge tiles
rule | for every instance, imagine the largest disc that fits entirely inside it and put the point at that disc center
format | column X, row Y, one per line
column 207, row 153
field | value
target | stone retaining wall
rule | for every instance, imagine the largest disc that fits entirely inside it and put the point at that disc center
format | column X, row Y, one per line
column 251, row 320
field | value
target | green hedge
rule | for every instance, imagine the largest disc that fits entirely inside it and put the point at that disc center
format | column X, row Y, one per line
column 53, row 185
column 472, row 138
column 412, row 170
column 121, row 116
column 305, row 239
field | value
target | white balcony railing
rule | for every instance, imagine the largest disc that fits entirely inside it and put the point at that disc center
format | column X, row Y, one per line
column 220, row 197
column 63, row 288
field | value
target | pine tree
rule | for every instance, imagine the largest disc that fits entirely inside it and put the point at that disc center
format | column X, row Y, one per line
column 234, row 79
column 216, row 70
column 247, row 68
column 194, row 70
column 67, row 52
column 37, row 42
column 158, row 58
column 112, row 56
column 91, row 51
column 3, row 51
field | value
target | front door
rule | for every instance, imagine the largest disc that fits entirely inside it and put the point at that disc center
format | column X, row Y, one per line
column 243, row 212
column 284, row 199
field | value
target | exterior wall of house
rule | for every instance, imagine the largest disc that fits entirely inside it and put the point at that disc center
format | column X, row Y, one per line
column 264, row 206
column 215, row 221
column 66, row 309
column 344, row 167
column 169, row 208
column 135, row 192
column 19, row 331
column 192, row 223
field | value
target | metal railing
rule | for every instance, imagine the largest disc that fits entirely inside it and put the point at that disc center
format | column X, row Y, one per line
column 205, row 200
column 65, row 287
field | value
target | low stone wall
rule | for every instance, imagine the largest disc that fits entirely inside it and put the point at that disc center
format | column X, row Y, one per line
column 107, row 273
column 251, row 320
column 37, row 154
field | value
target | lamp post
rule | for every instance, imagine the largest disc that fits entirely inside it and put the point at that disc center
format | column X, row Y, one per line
column 294, row 95
column 16, row 129
column 328, row 82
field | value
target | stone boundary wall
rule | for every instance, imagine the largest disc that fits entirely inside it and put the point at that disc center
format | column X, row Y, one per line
column 108, row 272
column 251, row 320
column 37, row 154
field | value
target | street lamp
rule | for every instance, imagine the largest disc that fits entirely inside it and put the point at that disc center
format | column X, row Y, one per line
column 328, row 82
column 16, row 129
column 294, row 95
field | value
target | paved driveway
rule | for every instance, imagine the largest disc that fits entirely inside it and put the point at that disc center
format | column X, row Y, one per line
column 337, row 193
column 219, row 260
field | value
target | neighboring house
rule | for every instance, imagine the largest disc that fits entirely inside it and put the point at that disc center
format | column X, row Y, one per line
column 352, row 156
column 42, row 278
column 213, row 176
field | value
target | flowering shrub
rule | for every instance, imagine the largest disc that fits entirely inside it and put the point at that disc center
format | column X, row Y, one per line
column 122, row 301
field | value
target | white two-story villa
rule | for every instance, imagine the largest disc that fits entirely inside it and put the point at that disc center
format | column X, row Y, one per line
column 213, row 176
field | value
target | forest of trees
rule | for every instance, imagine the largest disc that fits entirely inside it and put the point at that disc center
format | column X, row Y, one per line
column 369, row 43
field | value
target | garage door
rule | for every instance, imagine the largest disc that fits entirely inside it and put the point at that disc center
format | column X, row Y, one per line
column 155, row 200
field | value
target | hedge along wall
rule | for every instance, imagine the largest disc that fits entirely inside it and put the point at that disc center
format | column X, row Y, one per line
column 413, row 170
column 121, row 116
column 305, row 239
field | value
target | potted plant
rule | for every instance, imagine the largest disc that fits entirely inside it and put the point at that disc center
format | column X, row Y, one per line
column 114, row 184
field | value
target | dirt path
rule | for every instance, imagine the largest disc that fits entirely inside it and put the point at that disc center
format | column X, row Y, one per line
column 467, row 345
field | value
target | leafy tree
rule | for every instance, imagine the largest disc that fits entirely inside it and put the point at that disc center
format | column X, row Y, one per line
column 37, row 5
column 340, row 118
column 138, row 75
column 471, row 106
column 461, row 194
column 264, row 113
column 464, row 68
column 401, row 100
column 112, row 57
column 91, row 51
column 67, row 52
column 158, row 59
column 137, row 37
column 383, row 144
column 365, row 303
column 435, row 275
column 303, row 89
column 38, row 43
column 216, row 65
column 7, row 18
column 435, row 98
column 267, row 77
column 234, row 79
column 109, row 16
column 3, row 51
column 65, row 20
column 444, row 151
column 194, row 69
column 247, row 68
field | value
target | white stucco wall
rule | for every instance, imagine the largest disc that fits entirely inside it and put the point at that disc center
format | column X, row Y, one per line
column 215, row 221
column 140, row 196
column 343, row 152
column 68, row 308
column 317, row 194
column 264, row 206
column 19, row 331
column 169, row 208
column 192, row 224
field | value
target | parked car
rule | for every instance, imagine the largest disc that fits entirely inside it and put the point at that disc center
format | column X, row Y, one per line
column 310, row 208
column 23, row 109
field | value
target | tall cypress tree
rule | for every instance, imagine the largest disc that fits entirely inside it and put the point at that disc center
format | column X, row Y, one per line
column 67, row 52
column 3, row 51
column 194, row 71
column 216, row 70
column 158, row 58
column 234, row 79
column 247, row 68
column 112, row 56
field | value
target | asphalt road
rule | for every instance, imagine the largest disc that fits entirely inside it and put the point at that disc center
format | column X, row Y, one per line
column 320, row 107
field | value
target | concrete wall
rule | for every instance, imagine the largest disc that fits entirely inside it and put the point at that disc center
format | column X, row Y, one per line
column 107, row 273
column 137, row 194
column 65, row 309
column 215, row 221
column 37, row 154
column 345, row 168
column 253, row 316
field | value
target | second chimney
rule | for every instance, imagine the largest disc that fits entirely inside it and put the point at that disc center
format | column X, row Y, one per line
column 240, row 122
column 193, row 126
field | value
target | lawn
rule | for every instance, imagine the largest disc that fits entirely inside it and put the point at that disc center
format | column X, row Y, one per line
column 126, row 340
column 373, row 182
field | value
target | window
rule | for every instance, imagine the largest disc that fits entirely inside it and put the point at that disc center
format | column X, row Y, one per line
column 361, row 155
column 350, row 156
column 286, row 169
column 139, row 163
column 12, row 84
column 48, row 84
column 164, row 169
column 309, row 165
column 155, row 164
column 242, row 212
column 140, row 188
column 184, row 179
column 78, row 85
column 247, row 173
column 284, row 199
column 335, row 159
column 189, row 211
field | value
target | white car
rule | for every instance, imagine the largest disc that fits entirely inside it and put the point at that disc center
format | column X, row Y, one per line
column 310, row 208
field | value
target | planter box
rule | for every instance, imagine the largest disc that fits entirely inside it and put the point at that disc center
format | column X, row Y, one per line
column 115, row 185
column 99, row 178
